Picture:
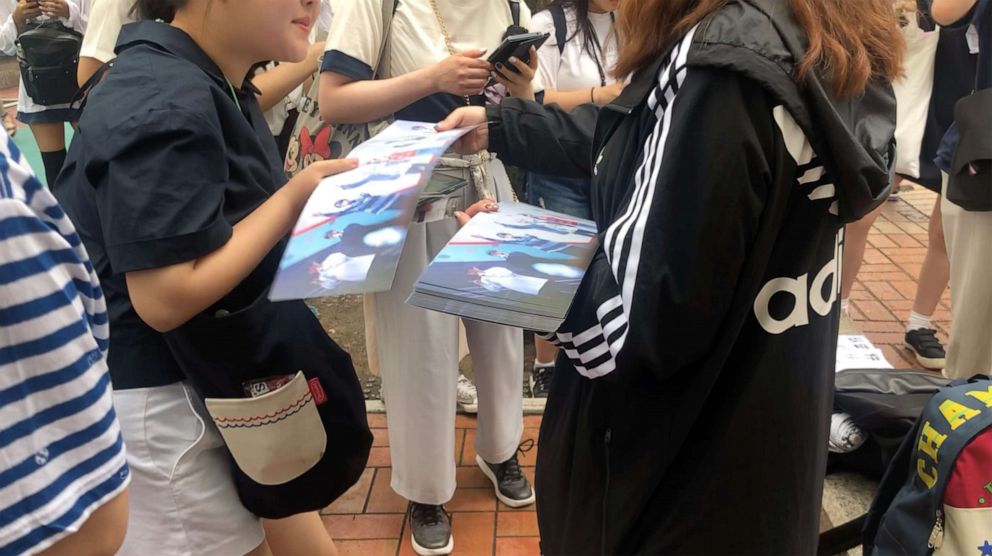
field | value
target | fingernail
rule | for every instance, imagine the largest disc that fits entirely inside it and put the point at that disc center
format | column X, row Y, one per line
column 500, row 66
column 513, row 59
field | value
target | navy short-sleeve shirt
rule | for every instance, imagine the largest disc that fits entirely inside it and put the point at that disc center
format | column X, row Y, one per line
column 167, row 158
column 980, row 16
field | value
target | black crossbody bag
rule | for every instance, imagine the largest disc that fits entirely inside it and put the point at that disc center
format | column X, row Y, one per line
column 298, row 444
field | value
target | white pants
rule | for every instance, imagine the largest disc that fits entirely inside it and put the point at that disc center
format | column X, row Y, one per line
column 968, row 235
column 182, row 497
column 418, row 358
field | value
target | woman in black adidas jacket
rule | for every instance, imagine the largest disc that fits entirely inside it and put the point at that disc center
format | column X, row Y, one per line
column 690, row 409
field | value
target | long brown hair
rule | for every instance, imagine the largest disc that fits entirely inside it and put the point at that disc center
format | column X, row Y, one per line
column 850, row 41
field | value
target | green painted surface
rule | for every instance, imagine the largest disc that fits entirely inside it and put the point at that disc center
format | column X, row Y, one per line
column 27, row 145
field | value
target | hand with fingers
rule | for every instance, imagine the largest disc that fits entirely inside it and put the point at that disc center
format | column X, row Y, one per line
column 475, row 140
column 303, row 184
column 25, row 10
column 485, row 205
column 54, row 8
column 519, row 82
column 463, row 73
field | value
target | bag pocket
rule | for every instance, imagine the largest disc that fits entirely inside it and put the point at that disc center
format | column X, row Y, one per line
column 273, row 438
column 52, row 85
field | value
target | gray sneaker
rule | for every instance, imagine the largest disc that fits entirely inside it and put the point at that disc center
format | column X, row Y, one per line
column 468, row 396
column 512, row 486
column 430, row 529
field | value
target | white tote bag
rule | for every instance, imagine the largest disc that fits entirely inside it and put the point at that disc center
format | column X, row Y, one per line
column 913, row 96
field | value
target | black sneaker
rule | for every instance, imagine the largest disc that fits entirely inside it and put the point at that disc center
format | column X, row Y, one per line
column 430, row 529
column 929, row 351
column 540, row 380
column 512, row 487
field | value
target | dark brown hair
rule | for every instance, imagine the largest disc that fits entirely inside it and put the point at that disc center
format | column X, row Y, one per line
column 157, row 9
column 850, row 41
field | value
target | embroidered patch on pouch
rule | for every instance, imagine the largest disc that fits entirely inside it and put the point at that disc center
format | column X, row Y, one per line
column 317, row 391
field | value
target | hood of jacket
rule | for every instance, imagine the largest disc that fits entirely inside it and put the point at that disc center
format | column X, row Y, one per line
column 853, row 137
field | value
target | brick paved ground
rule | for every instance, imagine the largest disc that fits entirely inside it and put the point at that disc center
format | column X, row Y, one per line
column 369, row 519
column 883, row 296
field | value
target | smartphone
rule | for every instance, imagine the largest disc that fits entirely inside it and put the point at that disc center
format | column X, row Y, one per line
column 517, row 46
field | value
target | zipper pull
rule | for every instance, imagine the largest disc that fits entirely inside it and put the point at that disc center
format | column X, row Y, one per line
column 937, row 534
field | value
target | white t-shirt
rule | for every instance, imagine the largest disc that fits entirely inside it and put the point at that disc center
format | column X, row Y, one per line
column 106, row 19
column 574, row 68
column 353, row 45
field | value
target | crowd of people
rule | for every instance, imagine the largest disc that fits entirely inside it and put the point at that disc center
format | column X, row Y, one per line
column 732, row 154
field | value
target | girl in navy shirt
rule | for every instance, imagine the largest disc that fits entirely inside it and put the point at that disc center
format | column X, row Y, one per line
column 180, row 198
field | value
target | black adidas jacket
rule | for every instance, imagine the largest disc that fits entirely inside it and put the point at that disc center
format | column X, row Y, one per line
column 690, row 410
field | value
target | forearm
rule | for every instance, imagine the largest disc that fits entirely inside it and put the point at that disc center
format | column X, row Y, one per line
column 567, row 100
column 278, row 82
column 545, row 139
column 166, row 298
column 366, row 100
column 87, row 68
column 949, row 12
column 8, row 34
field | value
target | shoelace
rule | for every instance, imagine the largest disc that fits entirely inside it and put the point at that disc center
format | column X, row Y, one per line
column 511, row 468
column 429, row 515
column 466, row 387
column 542, row 378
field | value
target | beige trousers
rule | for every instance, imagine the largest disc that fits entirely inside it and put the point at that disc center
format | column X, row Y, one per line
column 418, row 355
column 969, row 246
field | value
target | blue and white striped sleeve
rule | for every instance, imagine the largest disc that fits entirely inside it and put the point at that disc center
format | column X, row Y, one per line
column 63, row 456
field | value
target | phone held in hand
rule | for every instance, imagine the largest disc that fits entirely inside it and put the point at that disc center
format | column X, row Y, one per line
column 517, row 46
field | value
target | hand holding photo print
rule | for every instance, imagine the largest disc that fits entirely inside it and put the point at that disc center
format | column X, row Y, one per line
column 350, row 234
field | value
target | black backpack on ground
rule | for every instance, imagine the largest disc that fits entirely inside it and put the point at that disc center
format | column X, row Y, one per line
column 884, row 403
column 48, row 56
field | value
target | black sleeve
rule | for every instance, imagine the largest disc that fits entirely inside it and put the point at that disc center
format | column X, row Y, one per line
column 163, row 198
column 671, row 262
column 544, row 139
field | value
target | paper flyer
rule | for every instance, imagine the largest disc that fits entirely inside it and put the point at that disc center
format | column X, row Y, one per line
column 350, row 234
column 520, row 266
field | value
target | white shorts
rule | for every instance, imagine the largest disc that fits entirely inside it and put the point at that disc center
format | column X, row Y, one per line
column 182, row 495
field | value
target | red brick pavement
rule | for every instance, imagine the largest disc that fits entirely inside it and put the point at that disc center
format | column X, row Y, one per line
column 369, row 520
column 883, row 295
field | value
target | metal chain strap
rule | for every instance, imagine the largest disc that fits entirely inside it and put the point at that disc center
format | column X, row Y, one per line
column 444, row 28
column 479, row 172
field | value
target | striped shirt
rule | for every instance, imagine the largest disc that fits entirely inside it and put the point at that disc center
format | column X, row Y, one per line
column 62, row 452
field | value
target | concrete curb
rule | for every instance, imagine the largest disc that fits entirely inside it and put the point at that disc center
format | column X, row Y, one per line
column 532, row 406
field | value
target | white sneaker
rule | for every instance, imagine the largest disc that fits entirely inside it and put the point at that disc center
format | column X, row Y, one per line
column 468, row 397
